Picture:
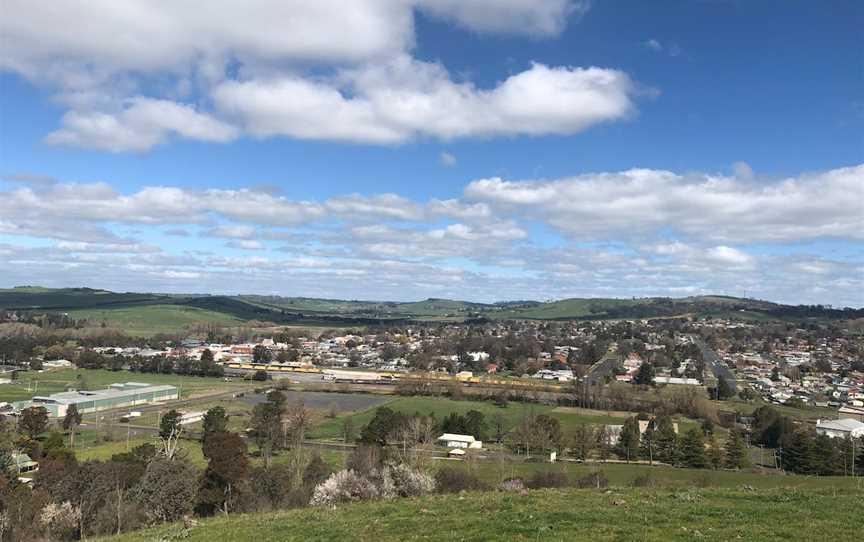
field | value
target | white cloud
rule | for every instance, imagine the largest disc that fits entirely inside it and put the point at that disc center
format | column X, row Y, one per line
column 139, row 126
column 654, row 45
column 407, row 99
column 528, row 17
column 447, row 159
column 641, row 202
column 211, row 71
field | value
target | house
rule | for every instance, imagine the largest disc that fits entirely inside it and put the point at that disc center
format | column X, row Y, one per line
column 22, row 463
column 856, row 413
column 452, row 440
column 847, row 427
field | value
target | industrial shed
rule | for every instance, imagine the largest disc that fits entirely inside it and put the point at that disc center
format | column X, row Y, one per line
column 115, row 396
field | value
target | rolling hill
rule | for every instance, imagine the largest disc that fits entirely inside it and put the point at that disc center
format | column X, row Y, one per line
column 143, row 313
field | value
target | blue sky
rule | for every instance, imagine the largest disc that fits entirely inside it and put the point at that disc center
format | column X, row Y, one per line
column 481, row 150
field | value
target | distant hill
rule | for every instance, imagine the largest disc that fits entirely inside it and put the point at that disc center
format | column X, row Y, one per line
column 120, row 308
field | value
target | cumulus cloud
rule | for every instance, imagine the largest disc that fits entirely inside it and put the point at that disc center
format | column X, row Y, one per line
column 139, row 126
column 213, row 74
column 641, row 202
column 637, row 232
column 407, row 99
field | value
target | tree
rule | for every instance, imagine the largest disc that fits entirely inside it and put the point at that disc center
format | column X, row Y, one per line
column 603, row 446
column 584, row 441
column 382, row 427
column 33, row 421
column 692, row 449
column 648, row 445
column 267, row 428
column 548, row 435
column 627, row 446
column 715, row 453
column 799, row 455
column 169, row 434
column 215, row 421
column 55, row 449
column 166, row 492
column 645, row 375
column 348, row 429
column 261, row 354
column 316, row 471
column 724, row 390
column 226, row 473
column 736, row 453
column 71, row 422
column 169, row 424
column 260, row 375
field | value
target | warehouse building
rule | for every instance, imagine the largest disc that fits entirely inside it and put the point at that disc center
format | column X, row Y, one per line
column 115, row 396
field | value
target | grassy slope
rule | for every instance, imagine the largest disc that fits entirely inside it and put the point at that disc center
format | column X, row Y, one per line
column 650, row 515
column 152, row 319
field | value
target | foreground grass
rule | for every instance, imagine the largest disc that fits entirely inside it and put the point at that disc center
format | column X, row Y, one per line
column 618, row 514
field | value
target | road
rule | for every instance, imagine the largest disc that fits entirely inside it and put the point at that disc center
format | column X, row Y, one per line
column 603, row 368
column 720, row 369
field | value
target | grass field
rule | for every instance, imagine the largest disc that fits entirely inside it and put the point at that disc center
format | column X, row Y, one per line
column 644, row 515
column 57, row 380
column 153, row 319
column 441, row 407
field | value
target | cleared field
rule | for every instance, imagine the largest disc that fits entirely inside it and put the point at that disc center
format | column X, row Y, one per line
column 58, row 380
column 440, row 407
column 153, row 319
column 650, row 515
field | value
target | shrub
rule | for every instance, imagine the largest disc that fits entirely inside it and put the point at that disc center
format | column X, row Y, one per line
column 453, row 480
column 596, row 479
column 404, row 481
column 548, row 478
column 343, row 486
column 512, row 484
column 644, row 480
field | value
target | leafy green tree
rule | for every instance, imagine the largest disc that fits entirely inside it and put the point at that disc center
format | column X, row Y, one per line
column 261, row 354
column 169, row 424
column 724, row 390
column 383, row 427
column 33, row 421
column 627, row 446
column 71, row 422
column 691, row 449
column 226, row 475
column 215, row 421
column 645, row 375
column 735, row 451
column 665, row 440
column 648, row 444
column 799, row 455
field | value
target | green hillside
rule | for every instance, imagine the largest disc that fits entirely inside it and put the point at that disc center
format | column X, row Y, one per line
column 149, row 313
column 574, row 514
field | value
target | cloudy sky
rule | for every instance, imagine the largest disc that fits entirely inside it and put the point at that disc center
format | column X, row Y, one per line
column 404, row 149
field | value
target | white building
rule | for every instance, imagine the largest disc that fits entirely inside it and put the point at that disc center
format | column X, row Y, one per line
column 847, row 427
column 451, row 440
